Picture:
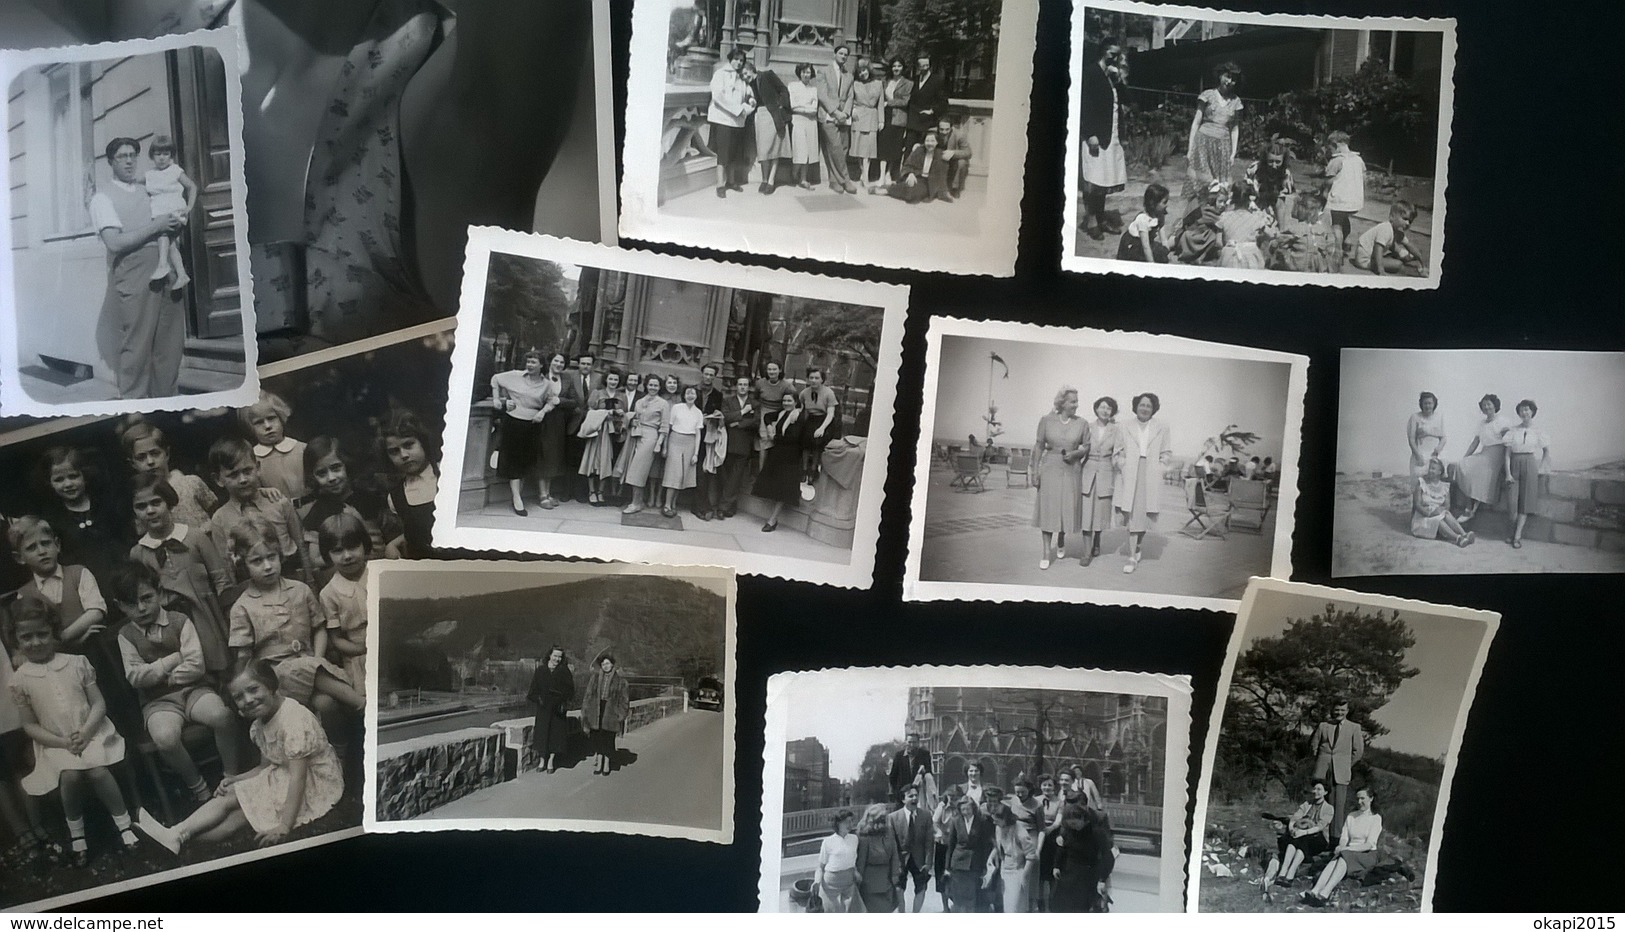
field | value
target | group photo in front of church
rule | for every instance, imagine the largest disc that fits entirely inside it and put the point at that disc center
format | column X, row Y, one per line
column 974, row 790
column 877, row 132
column 631, row 406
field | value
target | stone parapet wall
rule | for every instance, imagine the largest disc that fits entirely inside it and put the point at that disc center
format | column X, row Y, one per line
column 421, row 774
column 424, row 773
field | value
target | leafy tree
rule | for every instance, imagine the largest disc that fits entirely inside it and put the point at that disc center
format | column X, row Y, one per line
column 873, row 784
column 947, row 30
column 525, row 298
column 1285, row 685
column 1388, row 116
column 826, row 328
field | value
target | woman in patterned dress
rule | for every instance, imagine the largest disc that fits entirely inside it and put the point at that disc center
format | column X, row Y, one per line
column 1058, row 452
column 1215, row 131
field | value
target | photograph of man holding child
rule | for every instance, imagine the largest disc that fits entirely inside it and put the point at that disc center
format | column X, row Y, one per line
column 184, row 609
column 124, row 288
column 1269, row 144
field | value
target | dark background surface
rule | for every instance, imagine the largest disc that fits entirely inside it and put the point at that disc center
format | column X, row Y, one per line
column 1532, row 262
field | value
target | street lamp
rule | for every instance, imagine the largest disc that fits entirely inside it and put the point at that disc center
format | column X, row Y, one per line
column 501, row 344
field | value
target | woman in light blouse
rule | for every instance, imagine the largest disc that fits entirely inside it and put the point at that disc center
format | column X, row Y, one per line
column 1528, row 458
column 1356, row 850
column 1013, row 862
column 1425, row 433
column 1303, row 836
column 1483, row 466
column 682, row 447
column 645, row 435
column 1138, row 491
column 836, row 878
column 525, row 397
column 1099, row 475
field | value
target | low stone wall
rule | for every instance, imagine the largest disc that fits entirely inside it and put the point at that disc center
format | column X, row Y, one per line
column 425, row 773
column 644, row 711
column 1582, row 509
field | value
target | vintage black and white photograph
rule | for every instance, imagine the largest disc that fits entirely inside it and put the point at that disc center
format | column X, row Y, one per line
column 549, row 695
column 1330, row 755
column 872, row 132
column 1479, row 461
column 166, row 693
column 628, row 406
column 1120, row 468
column 379, row 135
column 1257, row 147
column 127, row 285
column 974, row 790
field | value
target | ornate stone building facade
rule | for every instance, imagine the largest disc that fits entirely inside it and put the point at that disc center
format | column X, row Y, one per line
column 1118, row 740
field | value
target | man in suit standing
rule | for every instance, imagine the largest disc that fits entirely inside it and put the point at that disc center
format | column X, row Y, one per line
column 954, row 145
column 576, row 386
column 929, row 102
column 835, row 119
column 911, row 827
column 906, row 766
column 709, row 492
column 968, row 838
column 1338, row 745
column 742, row 419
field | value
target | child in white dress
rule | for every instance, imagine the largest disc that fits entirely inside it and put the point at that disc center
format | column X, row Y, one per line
column 65, row 714
column 171, row 191
column 298, row 780
column 346, row 544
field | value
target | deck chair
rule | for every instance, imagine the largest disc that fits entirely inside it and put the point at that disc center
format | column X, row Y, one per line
column 968, row 473
column 1249, row 503
column 1208, row 516
column 1020, row 465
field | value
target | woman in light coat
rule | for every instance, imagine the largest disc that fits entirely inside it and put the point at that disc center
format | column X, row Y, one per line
column 1142, row 451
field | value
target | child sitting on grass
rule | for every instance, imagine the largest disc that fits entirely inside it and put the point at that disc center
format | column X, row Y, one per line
column 1143, row 241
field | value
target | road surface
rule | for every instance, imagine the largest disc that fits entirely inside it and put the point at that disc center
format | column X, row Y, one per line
column 675, row 780
column 1134, row 884
column 477, row 718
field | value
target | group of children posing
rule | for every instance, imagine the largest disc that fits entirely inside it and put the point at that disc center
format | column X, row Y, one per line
column 1266, row 222
column 134, row 617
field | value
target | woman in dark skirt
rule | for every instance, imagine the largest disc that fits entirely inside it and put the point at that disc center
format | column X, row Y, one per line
column 1528, row 458
column 551, row 689
column 604, row 705
column 553, row 460
column 525, row 397
column 780, row 479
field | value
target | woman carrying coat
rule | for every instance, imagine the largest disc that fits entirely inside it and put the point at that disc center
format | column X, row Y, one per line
column 1137, row 494
column 604, row 705
column 551, row 689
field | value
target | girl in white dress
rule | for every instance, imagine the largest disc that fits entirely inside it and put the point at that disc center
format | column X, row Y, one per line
column 65, row 714
column 172, row 192
column 298, row 779
column 682, row 448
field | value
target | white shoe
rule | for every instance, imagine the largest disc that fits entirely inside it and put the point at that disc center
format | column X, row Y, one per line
column 157, row 831
column 1132, row 564
column 1060, row 552
column 1044, row 563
